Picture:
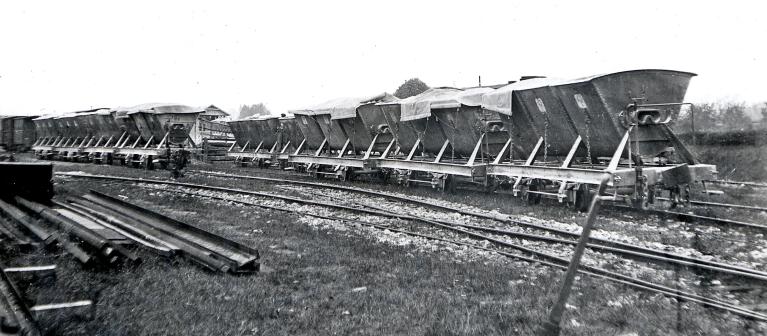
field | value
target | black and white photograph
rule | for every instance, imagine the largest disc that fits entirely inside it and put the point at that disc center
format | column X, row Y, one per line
column 341, row 167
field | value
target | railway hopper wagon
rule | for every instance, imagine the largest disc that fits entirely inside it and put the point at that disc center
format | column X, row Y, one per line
column 291, row 138
column 63, row 136
column 444, row 136
column 565, row 136
column 87, row 128
column 105, row 133
column 241, row 135
column 143, row 134
column 347, row 142
column 163, row 129
column 365, row 125
column 261, row 142
column 311, row 131
column 48, row 135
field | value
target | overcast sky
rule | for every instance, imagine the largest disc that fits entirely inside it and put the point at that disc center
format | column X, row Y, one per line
column 60, row 56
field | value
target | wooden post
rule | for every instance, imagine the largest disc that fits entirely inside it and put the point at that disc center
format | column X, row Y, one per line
column 551, row 326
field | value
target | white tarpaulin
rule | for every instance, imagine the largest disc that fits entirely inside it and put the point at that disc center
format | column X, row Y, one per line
column 420, row 106
column 500, row 99
column 159, row 108
column 342, row 108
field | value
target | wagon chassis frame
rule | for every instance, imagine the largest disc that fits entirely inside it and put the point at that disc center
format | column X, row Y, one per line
column 103, row 150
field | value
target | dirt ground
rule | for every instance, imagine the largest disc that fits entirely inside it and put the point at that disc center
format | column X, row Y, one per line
column 323, row 278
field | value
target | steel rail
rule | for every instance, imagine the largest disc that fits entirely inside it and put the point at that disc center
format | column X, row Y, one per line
column 106, row 248
column 15, row 316
column 237, row 257
column 243, row 257
column 721, row 205
column 22, row 218
column 190, row 250
column 142, row 237
column 48, row 237
column 549, row 260
column 605, row 244
column 624, row 249
column 102, row 219
column 117, row 247
column 691, row 218
column 645, row 252
column 681, row 216
column 750, row 184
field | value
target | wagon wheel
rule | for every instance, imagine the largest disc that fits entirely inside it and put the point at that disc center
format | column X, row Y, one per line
column 383, row 175
column 351, row 175
column 345, row 174
column 674, row 197
column 147, row 163
column 133, row 162
column 313, row 173
column 533, row 198
column 583, row 197
column 491, row 185
column 450, row 184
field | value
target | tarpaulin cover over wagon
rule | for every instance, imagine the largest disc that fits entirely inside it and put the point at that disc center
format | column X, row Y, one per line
column 342, row 108
column 500, row 100
column 420, row 106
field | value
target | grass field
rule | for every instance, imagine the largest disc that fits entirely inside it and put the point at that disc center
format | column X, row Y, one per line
column 338, row 280
column 737, row 163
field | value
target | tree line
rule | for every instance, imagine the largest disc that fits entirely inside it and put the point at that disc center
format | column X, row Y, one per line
column 719, row 117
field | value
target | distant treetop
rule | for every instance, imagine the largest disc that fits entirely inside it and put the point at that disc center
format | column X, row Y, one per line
column 410, row 87
column 253, row 110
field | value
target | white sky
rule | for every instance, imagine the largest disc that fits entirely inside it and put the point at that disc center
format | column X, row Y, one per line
column 60, row 56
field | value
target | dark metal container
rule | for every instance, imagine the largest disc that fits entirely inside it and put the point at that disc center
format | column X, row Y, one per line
column 105, row 124
column 240, row 132
column 290, row 133
column 310, row 129
column 155, row 120
column 267, row 128
column 125, row 124
column 599, row 108
column 369, row 124
column 24, row 134
column 464, row 122
column 45, row 127
column 442, row 114
column 332, row 130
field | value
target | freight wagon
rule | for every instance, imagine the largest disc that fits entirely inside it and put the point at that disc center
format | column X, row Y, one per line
column 17, row 133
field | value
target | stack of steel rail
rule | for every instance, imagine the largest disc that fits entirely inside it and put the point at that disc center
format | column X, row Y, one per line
column 96, row 228
column 88, row 242
column 165, row 235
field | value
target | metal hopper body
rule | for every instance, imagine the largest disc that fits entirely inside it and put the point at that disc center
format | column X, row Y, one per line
column 310, row 129
column 290, row 133
column 155, row 121
column 268, row 129
column 241, row 136
column 598, row 109
column 567, row 135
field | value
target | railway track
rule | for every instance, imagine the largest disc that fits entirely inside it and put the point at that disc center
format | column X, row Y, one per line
column 606, row 245
column 687, row 217
column 739, row 183
column 490, row 235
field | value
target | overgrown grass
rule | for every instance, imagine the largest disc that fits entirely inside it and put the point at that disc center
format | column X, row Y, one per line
column 738, row 163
